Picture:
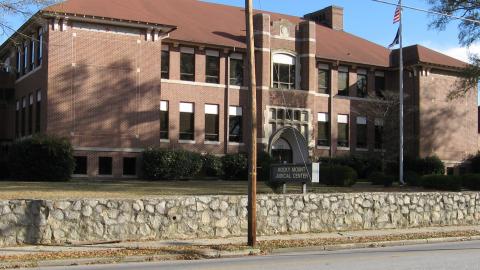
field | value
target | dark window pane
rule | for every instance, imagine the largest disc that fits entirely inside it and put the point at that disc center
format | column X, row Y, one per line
column 30, row 119
column 343, row 135
column 362, row 85
column 378, row 137
column 342, row 83
column 38, row 108
column 211, row 127
column 212, row 69
column 129, row 166
column 187, row 67
column 186, row 126
column 361, row 136
column 324, row 81
column 379, row 86
column 80, row 165
column 165, row 64
column 323, row 134
column 235, row 129
column 164, row 123
column 236, row 72
column 23, row 120
column 283, row 76
column 105, row 165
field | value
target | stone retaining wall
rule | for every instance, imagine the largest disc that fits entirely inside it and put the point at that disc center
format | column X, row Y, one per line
column 56, row 222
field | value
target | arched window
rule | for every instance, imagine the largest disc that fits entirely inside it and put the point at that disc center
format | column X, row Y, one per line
column 283, row 71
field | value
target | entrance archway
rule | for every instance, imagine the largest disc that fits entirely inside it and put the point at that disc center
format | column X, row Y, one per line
column 287, row 145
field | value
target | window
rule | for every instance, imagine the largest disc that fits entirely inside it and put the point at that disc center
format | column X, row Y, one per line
column 32, row 53
column 378, row 133
column 236, row 69
column 22, row 125
column 105, row 166
column 379, row 84
column 324, row 79
column 80, row 165
column 343, row 81
column 17, row 118
column 19, row 61
column 25, row 57
column 40, row 45
column 164, row 120
column 361, row 132
column 30, row 114
column 129, row 166
column 187, row 64
column 211, row 123
column 235, row 119
column 323, row 133
column 283, row 71
column 212, row 68
column 343, row 131
column 38, row 109
column 186, row 121
column 165, row 62
column 362, row 83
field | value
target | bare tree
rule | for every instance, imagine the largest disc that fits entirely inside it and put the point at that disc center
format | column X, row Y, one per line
column 469, row 33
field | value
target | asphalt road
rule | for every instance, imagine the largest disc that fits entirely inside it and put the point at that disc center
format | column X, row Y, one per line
column 448, row 256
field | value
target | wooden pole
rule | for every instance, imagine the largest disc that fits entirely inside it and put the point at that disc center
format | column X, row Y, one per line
column 252, row 169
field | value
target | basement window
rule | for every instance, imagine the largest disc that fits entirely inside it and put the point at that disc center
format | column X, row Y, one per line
column 105, row 165
column 80, row 165
column 129, row 166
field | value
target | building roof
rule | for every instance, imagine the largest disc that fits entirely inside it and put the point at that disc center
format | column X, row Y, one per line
column 215, row 24
column 418, row 54
column 222, row 25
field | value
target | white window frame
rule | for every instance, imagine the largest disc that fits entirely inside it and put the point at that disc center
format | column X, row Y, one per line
column 296, row 63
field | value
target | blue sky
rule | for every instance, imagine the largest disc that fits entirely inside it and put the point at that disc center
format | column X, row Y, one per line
column 365, row 18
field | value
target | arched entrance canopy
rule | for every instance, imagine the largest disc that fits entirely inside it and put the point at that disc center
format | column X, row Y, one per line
column 287, row 145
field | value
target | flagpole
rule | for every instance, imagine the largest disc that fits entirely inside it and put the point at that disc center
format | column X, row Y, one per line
column 401, row 96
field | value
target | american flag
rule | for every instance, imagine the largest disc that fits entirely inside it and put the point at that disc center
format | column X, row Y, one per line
column 398, row 14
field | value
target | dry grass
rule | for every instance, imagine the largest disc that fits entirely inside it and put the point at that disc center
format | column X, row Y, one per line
column 135, row 189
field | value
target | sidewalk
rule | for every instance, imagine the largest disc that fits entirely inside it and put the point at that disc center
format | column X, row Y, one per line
column 82, row 253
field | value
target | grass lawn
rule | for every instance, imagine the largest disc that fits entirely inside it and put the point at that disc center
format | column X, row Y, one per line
column 136, row 189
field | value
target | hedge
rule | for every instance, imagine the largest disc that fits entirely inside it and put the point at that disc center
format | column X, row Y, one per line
column 420, row 166
column 475, row 163
column 442, row 182
column 41, row 158
column 337, row 175
column 413, row 179
column 471, row 181
column 235, row 166
column 380, row 178
column 212, row 165
column 363, row 165
column 160, row 164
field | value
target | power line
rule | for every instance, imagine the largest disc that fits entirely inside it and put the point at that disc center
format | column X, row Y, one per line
column 429, row 11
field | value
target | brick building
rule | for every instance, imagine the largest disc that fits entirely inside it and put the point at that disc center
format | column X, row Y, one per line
column 117, row 78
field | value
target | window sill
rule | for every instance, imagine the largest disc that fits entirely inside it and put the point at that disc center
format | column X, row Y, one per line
column 322, row 95
column 26, row 75
column 80, row 175
column 186, row 142
column 361, row 149
column 236, row 144
column 164, row 141
column 343, row 148
column 380, row 150
column 105, row 175
column 211, row 142
column 323, row 147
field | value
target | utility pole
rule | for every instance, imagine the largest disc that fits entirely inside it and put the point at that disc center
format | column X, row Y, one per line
column 252, row 168
column 401, row 172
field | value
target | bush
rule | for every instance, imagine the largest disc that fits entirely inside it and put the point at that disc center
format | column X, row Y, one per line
column 380, row 178
column 364, row 166
column 264, row 161
column 336, row 175
column 212, row 165
column 475, row 163
column 413, row 179
column 235, row 166
column 4, row 170
column 159, row 164
column 442, row 182
column 41, row 157
column 471, row 181
column 421, row 166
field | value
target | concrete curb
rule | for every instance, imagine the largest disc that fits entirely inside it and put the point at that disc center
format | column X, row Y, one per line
column 375, row 244
column 216, row 254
